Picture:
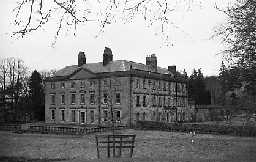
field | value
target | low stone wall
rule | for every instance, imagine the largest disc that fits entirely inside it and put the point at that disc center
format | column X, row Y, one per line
column 10, row 127
column 67, row 129
column 198, row 128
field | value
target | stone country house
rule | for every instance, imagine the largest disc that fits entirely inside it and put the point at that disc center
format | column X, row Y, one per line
column 84, row 93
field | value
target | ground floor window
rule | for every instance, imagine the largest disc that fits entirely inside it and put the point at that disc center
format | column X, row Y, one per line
column 53, row 114
column 153, row 115
column 118, row 115
column 73, row 115
column 92, row 116
column 63, row 115
column 105, row 115
column 82, row 115
column 144, row 116
column 137, row 101
column 137, row 116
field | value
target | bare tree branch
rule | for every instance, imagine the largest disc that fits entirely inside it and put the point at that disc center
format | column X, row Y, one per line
column 72, row 13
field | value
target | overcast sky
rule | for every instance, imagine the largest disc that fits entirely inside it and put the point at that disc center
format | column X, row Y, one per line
column 191, row 48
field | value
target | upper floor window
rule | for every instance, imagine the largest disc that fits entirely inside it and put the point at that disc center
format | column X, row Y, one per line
column 92, row 116
column 92, row 83
column 73, row 115
column 53, row 99
column 52, row 85
column 169, row 86
column 82, row 84
column 73, row 84
column 137, row 101
column 137, row 83
column 92, row 98
column 149, row 82
column 105, row 115
column 62, row 99
column 179, row 88
column 159, row 85
column 154, row 100
column 105, row 98
column 118, row 98
column 173, row 87
column 63, row 115
column 105, row 83
column 144, row 101
column 143, row 116
column 164, row 101
column 144, row 83
column 137, row 116
column 153, row 85
column 62, row 85
column 164, row 86
column 159, row 101
column 153, row 115
column 73, row 98
column 82, row 98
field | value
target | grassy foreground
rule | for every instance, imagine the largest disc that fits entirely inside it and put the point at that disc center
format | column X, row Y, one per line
column 155, row 146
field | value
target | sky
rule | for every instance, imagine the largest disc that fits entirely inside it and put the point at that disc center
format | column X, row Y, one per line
column 192, row 46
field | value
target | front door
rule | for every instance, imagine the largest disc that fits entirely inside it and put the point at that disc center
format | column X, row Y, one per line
column 82, row 117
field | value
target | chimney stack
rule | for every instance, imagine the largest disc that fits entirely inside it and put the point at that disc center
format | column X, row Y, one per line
column 81, row 59
column 107, row 56
column 172, row 69
column 151, row 61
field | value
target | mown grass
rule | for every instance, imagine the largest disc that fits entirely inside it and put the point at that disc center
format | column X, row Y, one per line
column 23, row 159
column 150, row 146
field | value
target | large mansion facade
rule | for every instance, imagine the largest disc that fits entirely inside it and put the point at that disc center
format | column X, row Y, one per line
column 88, row 92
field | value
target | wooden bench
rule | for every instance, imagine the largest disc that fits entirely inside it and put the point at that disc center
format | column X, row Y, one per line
column 117, row 144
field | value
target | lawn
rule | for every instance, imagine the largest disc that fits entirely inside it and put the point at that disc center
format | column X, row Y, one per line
column 151, row 146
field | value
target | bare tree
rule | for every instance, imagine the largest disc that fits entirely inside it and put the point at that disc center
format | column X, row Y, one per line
column 13, row 77
column 47, row 73
column 31, row 15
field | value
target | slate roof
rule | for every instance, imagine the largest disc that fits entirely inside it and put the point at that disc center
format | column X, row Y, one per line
column 113, row 66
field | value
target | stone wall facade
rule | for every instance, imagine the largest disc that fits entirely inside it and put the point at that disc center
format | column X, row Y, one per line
column 86, row 94
column 132, row 98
